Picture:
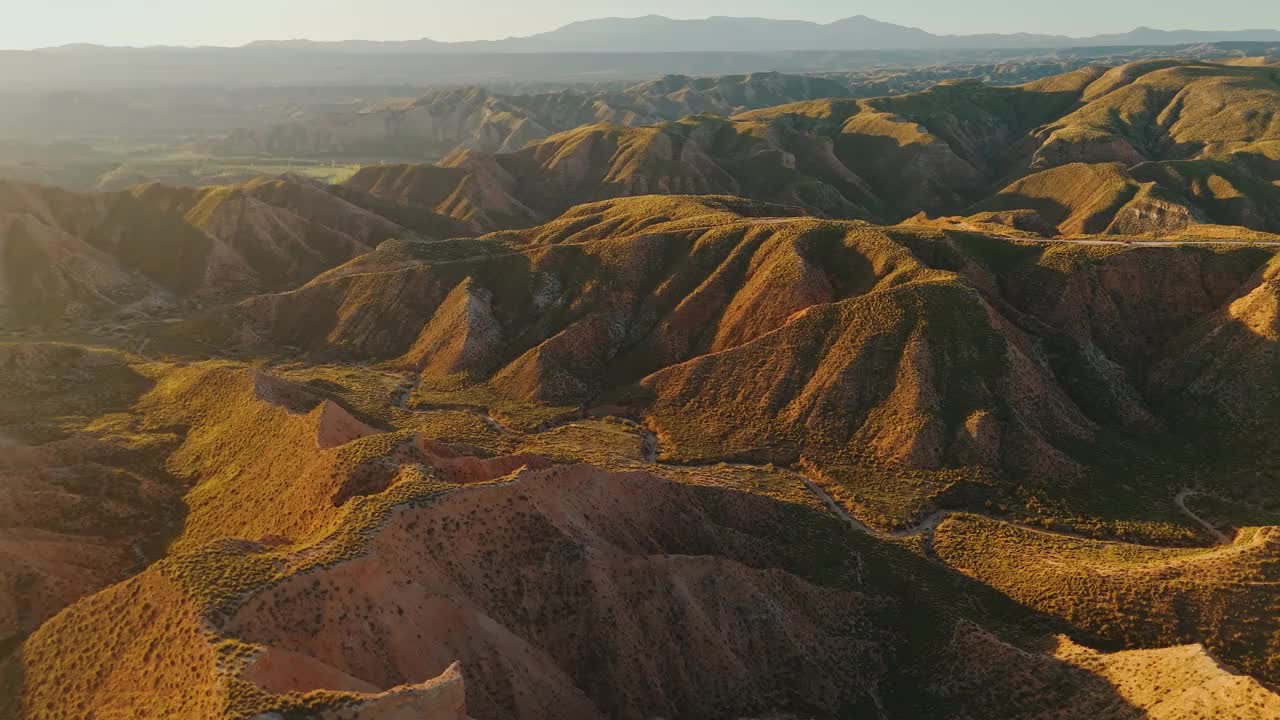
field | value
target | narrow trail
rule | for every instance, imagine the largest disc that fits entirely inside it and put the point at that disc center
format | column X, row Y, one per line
column 1155, row 243
column 406, row 393
column 1223, row 544
column 1181, row 501
column 925, row 525
column 141, row 561
column 648, row 444
column 930, row 522
column 839, row 510
column 480, row 412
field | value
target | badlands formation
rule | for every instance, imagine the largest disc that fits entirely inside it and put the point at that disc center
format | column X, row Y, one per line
column 958, row 403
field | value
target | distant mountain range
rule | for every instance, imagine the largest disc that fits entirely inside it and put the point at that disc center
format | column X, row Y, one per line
column 655, row 33
column 591, row 51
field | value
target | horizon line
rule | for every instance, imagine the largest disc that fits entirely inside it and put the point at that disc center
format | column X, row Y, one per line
column 483, row 41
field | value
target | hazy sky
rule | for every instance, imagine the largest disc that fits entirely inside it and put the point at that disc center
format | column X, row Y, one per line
column 40, row 23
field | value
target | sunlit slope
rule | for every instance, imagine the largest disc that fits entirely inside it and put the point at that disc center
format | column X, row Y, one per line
column 1136, row 595
column 1211, row 197
column 698, row 155
column 1239, row 188
column 1166, row 110
column 737, row 331
column 946, row 146
column 1083, row 199
column 1069, row 680
column 938, row 151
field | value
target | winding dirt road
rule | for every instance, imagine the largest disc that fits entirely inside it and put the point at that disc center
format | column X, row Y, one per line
column 1181, row 501
column 406, row 392
column 650, row 451
column 931, row 521
column 927, row 524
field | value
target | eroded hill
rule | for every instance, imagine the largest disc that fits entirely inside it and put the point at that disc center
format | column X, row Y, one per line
column 953, row 362
column 685, row 454
column 439, row 123
column 1043, row 157
column 940, row 151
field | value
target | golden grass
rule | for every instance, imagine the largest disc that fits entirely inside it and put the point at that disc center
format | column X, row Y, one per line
column 1139, row 596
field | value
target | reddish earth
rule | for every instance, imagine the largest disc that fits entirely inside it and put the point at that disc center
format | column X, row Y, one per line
column 677, row 456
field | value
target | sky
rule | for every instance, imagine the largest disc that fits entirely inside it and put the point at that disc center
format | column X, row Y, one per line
column 44, row 23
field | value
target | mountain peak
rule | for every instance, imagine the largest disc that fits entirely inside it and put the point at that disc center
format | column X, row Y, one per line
column 858, row 19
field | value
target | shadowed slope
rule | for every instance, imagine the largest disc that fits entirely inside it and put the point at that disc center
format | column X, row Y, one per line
column 64, row 255
column 1219, row 372
column 84, row 499
column 439, row 123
